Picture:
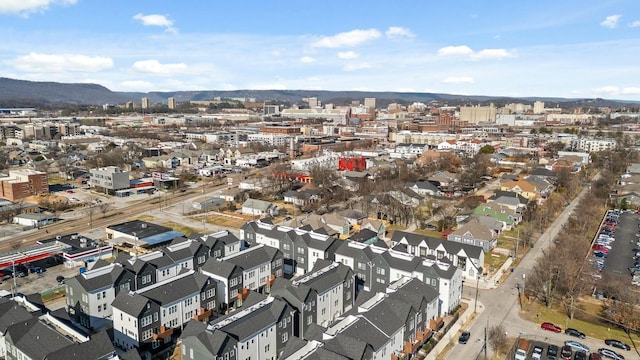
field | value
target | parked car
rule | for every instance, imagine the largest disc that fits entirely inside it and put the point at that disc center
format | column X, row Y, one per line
column 577, row 346
column 610, row 354
column 580, row 355
column 566, row 352
column 552, row 352
column 600, row 248
column 464, row 337
column 617, row 344
column 60, row 279
column 600, row 254
column 536, row 353
column 574, row 332
column 550, row 327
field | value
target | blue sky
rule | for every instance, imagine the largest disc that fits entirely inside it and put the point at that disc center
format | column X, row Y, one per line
column 568, row 48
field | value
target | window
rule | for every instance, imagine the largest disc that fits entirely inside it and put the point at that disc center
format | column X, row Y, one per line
column 146, row 279
column 380, row 271
column 233, row 282
column 362, row 266
column 155, row 316
column 211, row 293
column 286, row 246
column 201, row 259
column 98, row 296
column 147, row 334
column 285, row 337
column 204, row 296
column 145, row 321
column 85, row 298
column 310, row 318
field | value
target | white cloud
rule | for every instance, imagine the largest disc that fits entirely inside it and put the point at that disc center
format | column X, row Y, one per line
column 25, row 7
column 611, row 90
column 491, row 54
column 611, row 21
column 357, row 66
column 348, row 55
column 47, row 63
column 345, row 39
column 461, row 50
column 635, row 24
column 396, row 32
column 307, row 59
column 465, row 51
column 458, row 80
column 155, row 67
column 155, row 20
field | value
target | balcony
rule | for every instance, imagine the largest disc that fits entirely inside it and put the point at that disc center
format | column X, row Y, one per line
column 424, row 335
column 163, row 334
column 270, row 280
column 411, row 347
column 244, row 294
column 436, row 324
column 202, row 314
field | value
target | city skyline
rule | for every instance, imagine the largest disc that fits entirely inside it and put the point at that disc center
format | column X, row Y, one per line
column 572, row 49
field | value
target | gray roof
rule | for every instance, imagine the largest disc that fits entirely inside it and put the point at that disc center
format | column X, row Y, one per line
column 11, row 313
column 257, row 204
column 220, row 268
column 255, row 321
column 176, row 290
column 363, row 235
column 365, row 331
column 98, row 347
column 451, row 247
column 130, row 303
column 252, row 257
column 321, row 278
column 142, row 229
column 99, row 278
column 351, row 347
column 35, row 339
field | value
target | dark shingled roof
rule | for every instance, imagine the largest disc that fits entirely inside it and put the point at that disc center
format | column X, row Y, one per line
column 98, row 347
column 130, row 303
column 35, row 339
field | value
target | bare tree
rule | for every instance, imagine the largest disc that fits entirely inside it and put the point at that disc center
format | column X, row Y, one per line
column 104, row 207
column 497, row 338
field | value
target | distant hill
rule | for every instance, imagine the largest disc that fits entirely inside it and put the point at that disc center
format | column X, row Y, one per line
column 23, row 93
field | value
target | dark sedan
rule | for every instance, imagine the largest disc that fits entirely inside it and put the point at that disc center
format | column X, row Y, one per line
column 617, row 344
column 574, row 332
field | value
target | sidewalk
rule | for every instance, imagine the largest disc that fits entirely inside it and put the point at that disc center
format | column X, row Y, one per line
column 452, row 334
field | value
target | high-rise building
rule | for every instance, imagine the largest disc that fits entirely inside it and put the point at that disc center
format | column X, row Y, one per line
column 370, row 103
column 313, row 102
column 145, row 103
column 171, row 102
column 538, row 107
column 478, row 114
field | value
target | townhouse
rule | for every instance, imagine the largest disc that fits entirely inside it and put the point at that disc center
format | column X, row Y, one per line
column 260, row 331
column 222, row 243
column 260, row 266
column 391, row 324
column 229, row 278
column 147, row 319
column 466, row 257
column 375, row 268
column 476, row 233
column 300, row 248
column 90, row 294
column 320, row 297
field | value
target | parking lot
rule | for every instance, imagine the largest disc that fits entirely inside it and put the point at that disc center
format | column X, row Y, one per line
column 38, row 283
column 620, row 257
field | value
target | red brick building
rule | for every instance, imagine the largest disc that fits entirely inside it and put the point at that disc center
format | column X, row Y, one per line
column 23, row 183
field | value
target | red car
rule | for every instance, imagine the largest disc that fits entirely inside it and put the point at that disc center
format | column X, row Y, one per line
column 551, row 327
column 600, row 248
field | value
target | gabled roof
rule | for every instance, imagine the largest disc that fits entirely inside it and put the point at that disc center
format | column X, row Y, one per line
column 476, row 229
column 521, row 184
column 12, row 313
column 252, row 257
column 451, row 247
column 35, row 339
column 223, row 269
column 99, row 278
column 541, row 171
column 177, row 289
column 257, row 204
column 509, row 194
column 130, row 303
column 363, row 235
column 99, row 346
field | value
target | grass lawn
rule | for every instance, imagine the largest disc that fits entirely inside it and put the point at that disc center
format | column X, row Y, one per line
column 585, row 320
column 431, row 233
column 56, row 180
column 225, row 221
column 180, row 227
column 147, row 218
column 493, row 262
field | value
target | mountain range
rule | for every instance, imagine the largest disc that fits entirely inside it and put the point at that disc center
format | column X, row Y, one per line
column 22, row 93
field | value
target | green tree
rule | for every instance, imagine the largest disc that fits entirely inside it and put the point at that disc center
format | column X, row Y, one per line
column 487, row 149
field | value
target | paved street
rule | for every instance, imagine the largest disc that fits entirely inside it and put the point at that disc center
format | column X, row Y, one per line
column 500, row 305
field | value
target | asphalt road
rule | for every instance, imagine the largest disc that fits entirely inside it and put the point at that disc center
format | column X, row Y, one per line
column 114, row 216
column 500, row 305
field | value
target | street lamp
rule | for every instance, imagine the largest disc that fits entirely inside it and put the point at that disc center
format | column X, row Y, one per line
column 475, row 305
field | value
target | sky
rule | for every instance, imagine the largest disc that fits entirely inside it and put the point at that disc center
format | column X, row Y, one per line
column 566, row 48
